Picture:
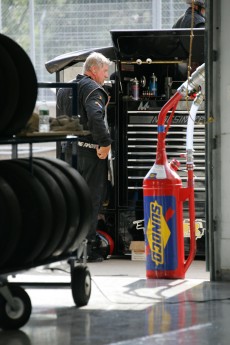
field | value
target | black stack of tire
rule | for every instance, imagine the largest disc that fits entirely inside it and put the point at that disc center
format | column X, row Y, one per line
column 45, row 203
column 47, row 211
column 18, row 87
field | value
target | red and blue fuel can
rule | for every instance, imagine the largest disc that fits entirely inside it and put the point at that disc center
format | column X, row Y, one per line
column 163, row 218
column 164, row 197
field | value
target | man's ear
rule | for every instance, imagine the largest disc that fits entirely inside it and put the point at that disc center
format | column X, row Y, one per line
column 94, row 69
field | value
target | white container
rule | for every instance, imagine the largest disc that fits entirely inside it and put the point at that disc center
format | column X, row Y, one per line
column 44, row 118
column 137, row 250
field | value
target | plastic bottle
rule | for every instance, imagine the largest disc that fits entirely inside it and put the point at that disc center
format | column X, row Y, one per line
column 44, row 125
column 153, row 85
column 135, row 89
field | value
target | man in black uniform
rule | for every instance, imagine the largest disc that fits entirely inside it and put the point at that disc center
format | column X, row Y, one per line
column 93, row 149
column 185, row 20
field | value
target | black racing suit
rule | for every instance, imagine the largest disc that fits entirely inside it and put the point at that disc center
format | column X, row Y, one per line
column 185, row 20
column 92, row 100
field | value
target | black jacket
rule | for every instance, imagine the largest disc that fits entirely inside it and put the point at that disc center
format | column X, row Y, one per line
column 92, row 100
column 185, row 20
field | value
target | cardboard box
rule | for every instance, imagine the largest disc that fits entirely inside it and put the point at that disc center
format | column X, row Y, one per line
column 137, row 250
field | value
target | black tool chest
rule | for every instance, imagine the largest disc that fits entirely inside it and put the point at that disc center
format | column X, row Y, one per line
column 132, row 117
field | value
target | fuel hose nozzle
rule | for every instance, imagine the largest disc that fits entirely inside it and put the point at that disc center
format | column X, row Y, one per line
column 195, row 83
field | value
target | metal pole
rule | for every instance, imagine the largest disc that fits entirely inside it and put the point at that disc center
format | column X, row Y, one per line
column 0, row 16
column 156, row 14
column 32, row 41
column 171, row 13
column 41, row 32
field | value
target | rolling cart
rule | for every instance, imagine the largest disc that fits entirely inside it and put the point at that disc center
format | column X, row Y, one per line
column 54, row 240
column 15, row 303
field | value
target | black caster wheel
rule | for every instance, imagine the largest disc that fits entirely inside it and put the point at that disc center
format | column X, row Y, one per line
column 15, row 318
column 81, row 285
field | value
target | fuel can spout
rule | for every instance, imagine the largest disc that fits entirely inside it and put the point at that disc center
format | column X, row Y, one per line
column 164, row 194
column 195, row 83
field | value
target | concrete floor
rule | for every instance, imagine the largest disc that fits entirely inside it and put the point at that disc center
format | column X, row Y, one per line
column 124, row 308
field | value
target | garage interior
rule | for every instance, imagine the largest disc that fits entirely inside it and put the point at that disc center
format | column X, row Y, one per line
column 126, row 308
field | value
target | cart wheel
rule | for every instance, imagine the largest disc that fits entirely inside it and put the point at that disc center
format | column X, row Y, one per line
column 14, row 319
column 81, row 285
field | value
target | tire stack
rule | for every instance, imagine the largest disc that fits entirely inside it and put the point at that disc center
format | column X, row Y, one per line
column 45, row 204
column 18, row 87
column 47, row 211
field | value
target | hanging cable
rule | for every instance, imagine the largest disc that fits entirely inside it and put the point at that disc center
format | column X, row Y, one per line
column 190, row 51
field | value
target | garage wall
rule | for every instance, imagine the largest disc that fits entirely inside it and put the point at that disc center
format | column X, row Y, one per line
column 219, row 139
